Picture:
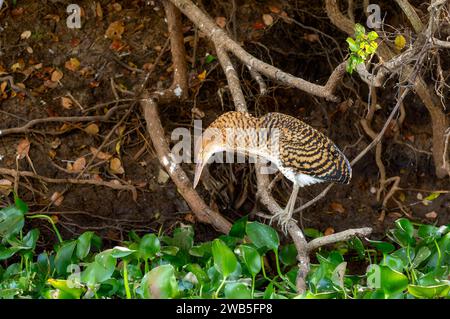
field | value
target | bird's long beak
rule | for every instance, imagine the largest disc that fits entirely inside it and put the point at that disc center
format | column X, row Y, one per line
column 198, row 171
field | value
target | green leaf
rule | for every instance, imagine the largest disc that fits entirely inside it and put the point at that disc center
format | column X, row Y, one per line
column 200, row 274
column 359, row 30
column 160, row 283
column 64, row 256
column 202, row 250
column 405, row 225
column 372, row 35
column 356, row 244
column 395, row 263
column 312, row 233
column 238, row 228
column 62, row 285
column 288, row 255
column 263, row 236
column 101, row 269
column 237, row 290
column 30, row 239
column 382, row 246
column 432, row 196
column 120, row 252
column 7, row 252
column 389, row 280
column 423, row 253
column 149, row 246
column 224, row 259
column 251, row 258
column 352, row 45
column 11, row 221
column 428, row 232
column 428, row 292
column 84, row 244
column 20, row 204
column 209, row 58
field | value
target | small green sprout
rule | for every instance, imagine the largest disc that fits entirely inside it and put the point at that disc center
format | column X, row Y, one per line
column 361, row 48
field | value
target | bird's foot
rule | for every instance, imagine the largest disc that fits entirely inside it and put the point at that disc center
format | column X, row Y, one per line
column 283, row 219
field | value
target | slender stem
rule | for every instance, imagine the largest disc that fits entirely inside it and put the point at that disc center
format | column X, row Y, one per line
column 51, row 222
column 125, row 279
column 253, row 286
column 279, row 270
column 216, row 294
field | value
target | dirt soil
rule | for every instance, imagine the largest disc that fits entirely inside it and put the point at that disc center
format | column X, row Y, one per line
column 110, row 73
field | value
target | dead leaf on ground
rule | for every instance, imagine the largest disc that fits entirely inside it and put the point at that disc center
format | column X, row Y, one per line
column 23, row 148
column 163, row 177
column 115, row 30
column 274, row 9
column 99, row 11
column 92, row 129
column 337, row 207
column 116, row 166
column 267, row 19
column 57, row 198
column 5, row 187
column 431, row 215
column 25, row 35
column 221, row 22
column 73, row 64
column 66, row 103
column 55, row 143
column 79, row 165
column 311, row 37
column 328, row 231
column 100, row 155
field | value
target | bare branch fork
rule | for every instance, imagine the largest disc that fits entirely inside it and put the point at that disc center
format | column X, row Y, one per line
column 224, row 44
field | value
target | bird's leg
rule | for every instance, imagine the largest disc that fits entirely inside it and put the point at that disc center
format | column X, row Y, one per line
column 285, row 216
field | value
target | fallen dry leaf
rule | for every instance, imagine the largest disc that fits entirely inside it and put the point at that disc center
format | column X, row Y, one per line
column 221, row 22
column 274, row 9
column 431, row 215
column 23, row 148
column 267, row 19
column 5, row 187
column 163, row 177
column 100, row 155
column 115, row 30
column 66, row 103
column 116, row 166
column 92, row 129
column 56, row 75
column 328, row 231
column 79, row 165
column 337, row 207
column 57, row 198
column 55, row 143
column 99, row 11
column 311, row 37
column 25, row 35
column 73, row 64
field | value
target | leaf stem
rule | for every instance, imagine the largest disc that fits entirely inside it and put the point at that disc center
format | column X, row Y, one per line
column 51, row 222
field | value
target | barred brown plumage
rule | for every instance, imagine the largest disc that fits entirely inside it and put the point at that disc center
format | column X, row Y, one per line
column 302, row 154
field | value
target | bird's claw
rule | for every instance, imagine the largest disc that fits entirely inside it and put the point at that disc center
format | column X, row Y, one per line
column 283, row 221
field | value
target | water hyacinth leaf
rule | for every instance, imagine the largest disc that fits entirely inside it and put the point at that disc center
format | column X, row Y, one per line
column 170, row 250
column 200, row 274
column 149, row 246
column 312, row 233
column 423, row 253
column 11, row 221
column 120, row 252
column 428, row 232
column 428, row 292
column 405, row 225
column 224, row 259
column 100, row 270
column 237, row 290
column 387, row 279
column 84, row 244
column 288, row 255
column 263, row 236
column 357, row 245
column 30, row 239
column 239, row 227
column 7, row 252
column 382, row 246
column 65, row 286
column 160, row 283
column 63, row 256
column 394, row 263
column 202, row 250
column 251, row 258
column 20, row 204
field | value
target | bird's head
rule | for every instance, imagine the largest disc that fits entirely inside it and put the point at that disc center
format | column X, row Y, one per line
column 211, row 142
